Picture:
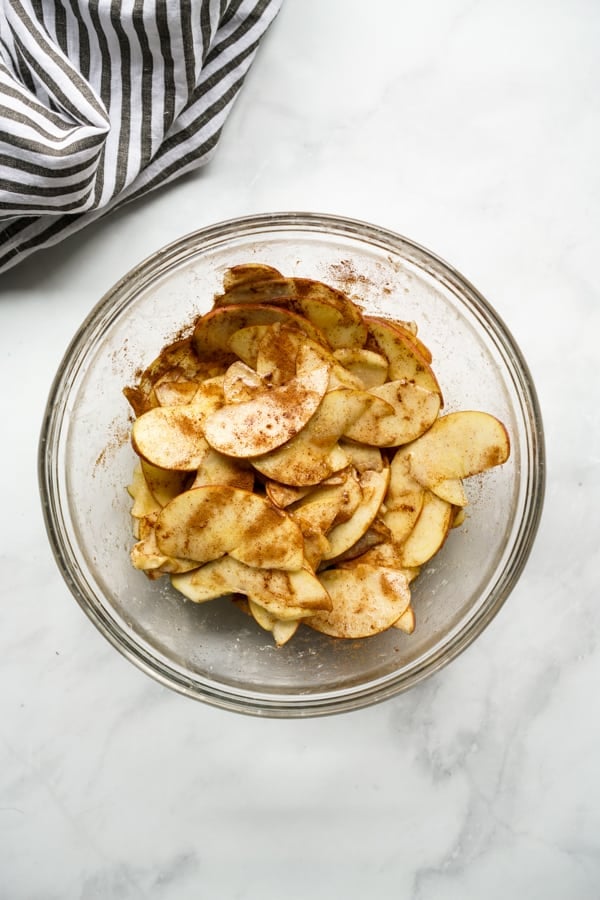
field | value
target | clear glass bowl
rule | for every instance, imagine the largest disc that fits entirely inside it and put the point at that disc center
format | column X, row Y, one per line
column 214, row 652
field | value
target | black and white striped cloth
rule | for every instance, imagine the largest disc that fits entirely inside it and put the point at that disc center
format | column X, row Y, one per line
column 104, row 100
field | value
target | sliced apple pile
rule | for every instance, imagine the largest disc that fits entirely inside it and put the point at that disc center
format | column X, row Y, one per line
column 292, row 452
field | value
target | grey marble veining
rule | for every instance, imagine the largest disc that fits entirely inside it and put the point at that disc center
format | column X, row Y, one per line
column 474, row 129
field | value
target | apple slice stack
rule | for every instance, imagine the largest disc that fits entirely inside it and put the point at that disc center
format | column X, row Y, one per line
column 292, row 451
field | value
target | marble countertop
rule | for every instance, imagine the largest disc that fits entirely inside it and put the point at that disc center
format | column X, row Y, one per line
column 472, row 128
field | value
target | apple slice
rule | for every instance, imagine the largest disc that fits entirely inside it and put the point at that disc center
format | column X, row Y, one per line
column 386, row 554
column 413, row 410
column 284, row 629
column 144, row 501
column 180, row 358
column 175, row 393
column 261, row 615
column 316, row 513
column 278, row 345
column 316, row 546
column 363, row 457
column 331, row 312
column 301, row 465
column 306, row 353
column 277, row 354
column 451, row 490
column 272, row 418
column 262, row 291
column 327, row 505
column 343, row 327
column 366, row 600
column 403, row 501
column 341, row 537
column 284, row 352
column 369, row 424
column 369, row 367
column 456, row 446
column 245, row 343
column 208, row 522
column 409, row 331
column 146, row 556
column 241, row 383
column 339, row 377
column 352, row 494
column 172, row 437
column 283, row 495
column 246, row 273
column 459, row 517
column 214, row 330
column 287, row 595
column 404, row 359
column 313, row 454
column 429, row 533
column 175, row 362
column 216, row 468
column 377, row 533
column 407, row 621
column 281, row 629
column 163, row 484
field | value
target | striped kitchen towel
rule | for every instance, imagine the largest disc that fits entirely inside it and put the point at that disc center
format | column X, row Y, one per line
column 102, row 101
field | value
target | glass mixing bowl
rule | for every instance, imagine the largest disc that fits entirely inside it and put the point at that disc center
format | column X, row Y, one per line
column 213, row 651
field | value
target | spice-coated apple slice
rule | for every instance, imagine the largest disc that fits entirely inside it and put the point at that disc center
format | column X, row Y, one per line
column 365, row 600
column 208, row 522
column 286, row 595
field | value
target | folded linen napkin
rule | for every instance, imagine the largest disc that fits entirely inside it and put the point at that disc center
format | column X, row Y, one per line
column 102, row 101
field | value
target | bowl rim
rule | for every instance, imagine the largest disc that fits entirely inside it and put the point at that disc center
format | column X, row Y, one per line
column 299, row 705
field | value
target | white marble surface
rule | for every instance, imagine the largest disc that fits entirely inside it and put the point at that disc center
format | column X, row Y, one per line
column 474, row 129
